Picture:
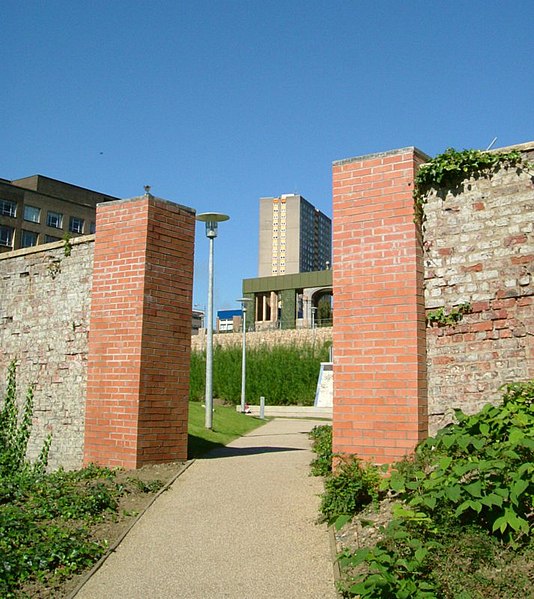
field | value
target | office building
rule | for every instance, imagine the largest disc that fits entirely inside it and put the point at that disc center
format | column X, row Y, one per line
column 294, row 237
column 38, row 209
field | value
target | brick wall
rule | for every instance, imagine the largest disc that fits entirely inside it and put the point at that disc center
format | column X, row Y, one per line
column 139, row 346
column 44, row 309
column 479, row 248
column 379, row 351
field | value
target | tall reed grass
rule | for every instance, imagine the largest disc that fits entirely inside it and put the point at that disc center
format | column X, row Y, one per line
column 283, row 374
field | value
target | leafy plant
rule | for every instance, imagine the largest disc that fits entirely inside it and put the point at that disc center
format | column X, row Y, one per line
column 463, row 527
column 146, row 486
column 483, row 467
column 395, row 567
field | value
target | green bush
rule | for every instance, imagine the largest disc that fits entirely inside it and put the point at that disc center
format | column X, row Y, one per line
column 284, row 375
column 353, row 486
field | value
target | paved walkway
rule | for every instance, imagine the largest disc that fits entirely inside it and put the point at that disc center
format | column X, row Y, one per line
column 238, row 525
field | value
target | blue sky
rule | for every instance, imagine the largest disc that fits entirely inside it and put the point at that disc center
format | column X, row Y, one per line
column 215, row 104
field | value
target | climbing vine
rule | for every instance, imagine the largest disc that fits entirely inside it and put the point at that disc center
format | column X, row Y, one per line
column 452, row 167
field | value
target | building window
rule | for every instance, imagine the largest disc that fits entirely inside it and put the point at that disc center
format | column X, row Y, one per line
column 8, row 208
column 6, row 236
column 76, row 224
column 32, row 214
column 92, row 228
column 55, row 219
column 28, row 239
column 51, row 239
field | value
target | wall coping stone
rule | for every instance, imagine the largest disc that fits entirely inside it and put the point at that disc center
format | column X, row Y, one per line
column 151, row 197
column 419, row 153
column 47, row 247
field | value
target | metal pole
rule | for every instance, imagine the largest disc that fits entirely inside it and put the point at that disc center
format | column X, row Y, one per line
column 209, row 343
column 262, row 407
column 244, row 359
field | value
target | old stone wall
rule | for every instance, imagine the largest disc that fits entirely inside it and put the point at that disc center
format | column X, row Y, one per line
column 265, row 338
column 479, row 249
column 44, row 311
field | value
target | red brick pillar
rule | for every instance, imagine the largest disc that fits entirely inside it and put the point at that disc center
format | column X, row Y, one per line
column 140, row 333
column 380, row 404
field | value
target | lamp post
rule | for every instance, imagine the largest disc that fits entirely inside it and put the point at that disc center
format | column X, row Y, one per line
column 244, row 301
column 211, row 219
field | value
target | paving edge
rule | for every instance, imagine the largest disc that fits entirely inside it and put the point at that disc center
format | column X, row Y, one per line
column 335, row 562
column 118, row 541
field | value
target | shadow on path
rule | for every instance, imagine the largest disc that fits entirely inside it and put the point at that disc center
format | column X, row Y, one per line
column 228, row 452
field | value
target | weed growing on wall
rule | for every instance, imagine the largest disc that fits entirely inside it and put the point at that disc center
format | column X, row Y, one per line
column 284, row 375
column 441, row 318
column 15, row 432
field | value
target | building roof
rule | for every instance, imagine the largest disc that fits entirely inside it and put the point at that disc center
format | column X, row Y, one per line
column 317, row 278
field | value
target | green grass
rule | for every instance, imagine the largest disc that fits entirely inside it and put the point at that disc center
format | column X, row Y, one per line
column 228, row 424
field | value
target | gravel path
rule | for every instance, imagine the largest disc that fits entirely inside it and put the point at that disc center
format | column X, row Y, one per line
column 239, row 524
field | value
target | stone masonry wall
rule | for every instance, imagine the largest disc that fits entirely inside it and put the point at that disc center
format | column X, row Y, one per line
column 44, row 311
column 479, row 248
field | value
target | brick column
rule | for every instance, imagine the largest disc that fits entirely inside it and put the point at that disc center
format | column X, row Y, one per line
column 140, row 333
column 380, row 405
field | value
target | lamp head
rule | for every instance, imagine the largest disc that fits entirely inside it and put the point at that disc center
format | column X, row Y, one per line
column 244, row 301
column 212, row 219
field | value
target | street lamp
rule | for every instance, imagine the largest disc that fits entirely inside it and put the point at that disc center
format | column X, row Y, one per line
column 211, row 219
column 244, row 301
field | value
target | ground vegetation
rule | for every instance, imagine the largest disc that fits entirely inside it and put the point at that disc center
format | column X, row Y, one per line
column 454, row 520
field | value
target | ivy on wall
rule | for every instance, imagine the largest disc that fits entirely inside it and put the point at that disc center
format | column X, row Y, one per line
column 452, row 168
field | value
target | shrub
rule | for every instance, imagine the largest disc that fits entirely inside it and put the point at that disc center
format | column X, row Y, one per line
column 322, row 446
column 353, row 485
